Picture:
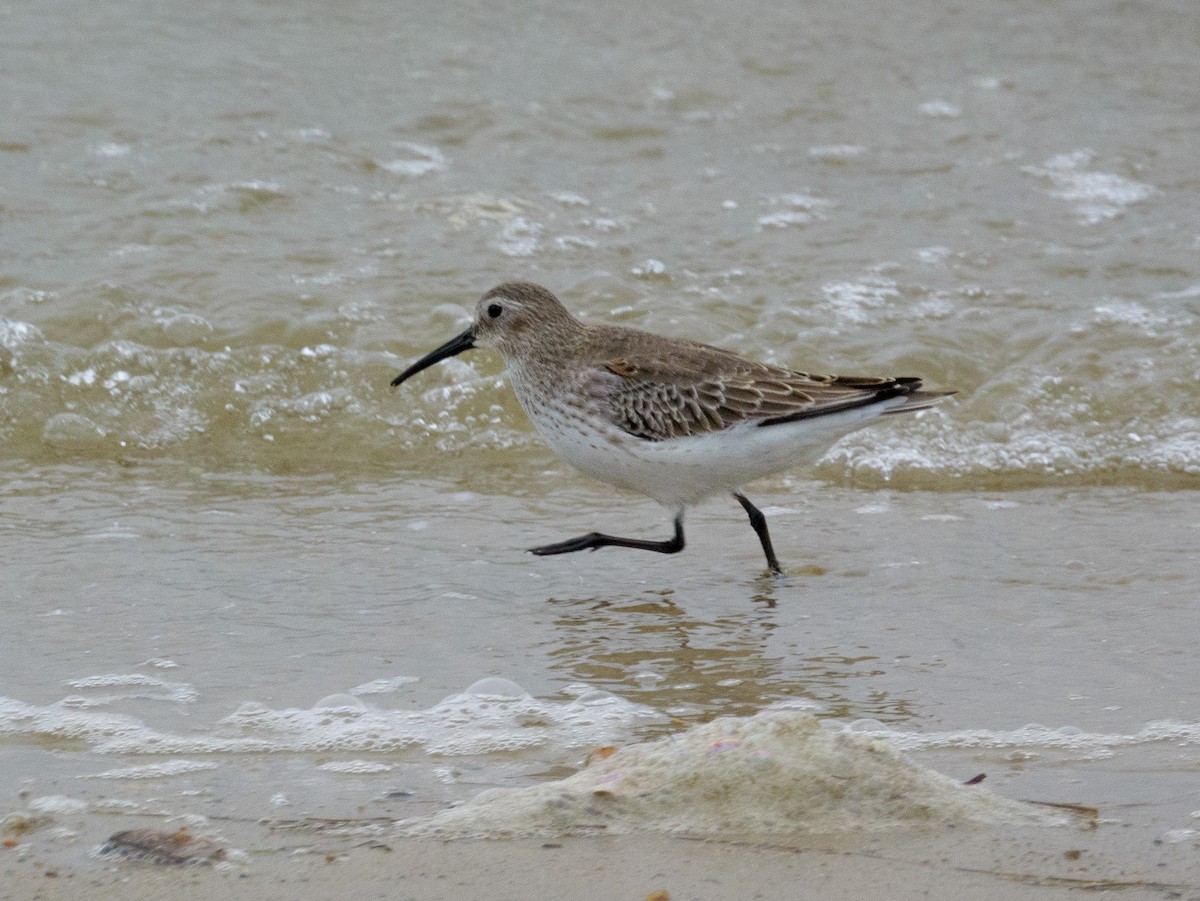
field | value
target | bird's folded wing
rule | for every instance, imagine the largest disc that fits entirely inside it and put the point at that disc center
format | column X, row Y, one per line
column 660, row 399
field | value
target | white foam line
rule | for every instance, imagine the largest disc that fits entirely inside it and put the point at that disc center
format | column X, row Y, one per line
column 1034, row 735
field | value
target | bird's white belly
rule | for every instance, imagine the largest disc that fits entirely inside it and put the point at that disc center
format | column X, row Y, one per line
column 680, row 471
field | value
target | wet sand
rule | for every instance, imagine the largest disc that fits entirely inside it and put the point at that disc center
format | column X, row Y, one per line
column 971, row 868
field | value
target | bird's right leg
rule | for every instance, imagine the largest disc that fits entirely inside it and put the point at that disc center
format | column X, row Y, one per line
column 759, row 523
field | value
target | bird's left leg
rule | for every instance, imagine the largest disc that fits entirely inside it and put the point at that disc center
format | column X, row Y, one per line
column 596, row 540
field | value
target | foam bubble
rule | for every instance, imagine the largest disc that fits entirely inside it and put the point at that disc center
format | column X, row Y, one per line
column 784, row 220
column 71, row 431
column 836, row 152
column 135, row 685
column 650, row 269
column 776, row 772
column 1097, row 195
column 383, row 686
column 801, row 209
column 1048, row 440
column 492, row 716
column 109, row 680
column 355, row 767
column 572, row 242
column 933, row 254
column 264, row 189
column 569, row 198
column 1136, row 315
column 1178, row 836
column 181, row 327
column 14, row 332
column 154, row 770
column 859, row 302
column 494, row 687
column 940, row 109
column 62, row 722
column 520, row 237
column 1032, row 736
column 342, row 703
column 419, row 159
column 57, row 805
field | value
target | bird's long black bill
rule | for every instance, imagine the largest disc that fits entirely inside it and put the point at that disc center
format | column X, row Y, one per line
column 451, row 348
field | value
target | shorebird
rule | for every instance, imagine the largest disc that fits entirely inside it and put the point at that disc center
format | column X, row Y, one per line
column 671, row 419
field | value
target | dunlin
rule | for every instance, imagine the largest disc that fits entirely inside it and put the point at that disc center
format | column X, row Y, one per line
column 673, row 420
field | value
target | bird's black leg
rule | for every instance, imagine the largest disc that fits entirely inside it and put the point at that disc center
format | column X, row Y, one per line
column 760, row 527
column 594, row 540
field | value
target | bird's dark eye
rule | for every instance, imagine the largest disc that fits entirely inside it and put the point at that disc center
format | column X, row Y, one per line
column 494, row 310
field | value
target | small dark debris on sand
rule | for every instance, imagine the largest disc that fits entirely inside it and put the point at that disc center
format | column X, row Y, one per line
column 151, row 846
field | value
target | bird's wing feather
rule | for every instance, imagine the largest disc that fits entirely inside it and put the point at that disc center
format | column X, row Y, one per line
column 696, row 389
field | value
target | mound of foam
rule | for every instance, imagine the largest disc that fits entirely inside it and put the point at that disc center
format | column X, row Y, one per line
column 777, row 772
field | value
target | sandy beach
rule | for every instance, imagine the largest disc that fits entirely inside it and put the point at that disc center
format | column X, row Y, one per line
column 973, row 868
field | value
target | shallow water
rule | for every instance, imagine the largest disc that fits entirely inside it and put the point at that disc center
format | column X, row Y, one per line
column 245, row 579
